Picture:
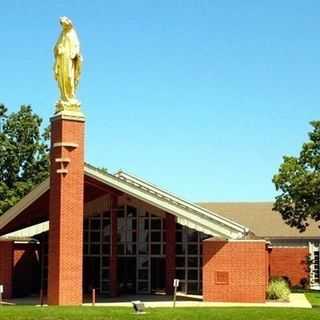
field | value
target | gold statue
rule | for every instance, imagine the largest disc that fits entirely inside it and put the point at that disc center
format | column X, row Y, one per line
column 67, row 66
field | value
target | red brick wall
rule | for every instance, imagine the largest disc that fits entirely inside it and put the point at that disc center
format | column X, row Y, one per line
column 234, row 271
column 170, row 225
column 6, row 266
column 66, row 215
column 289, row 262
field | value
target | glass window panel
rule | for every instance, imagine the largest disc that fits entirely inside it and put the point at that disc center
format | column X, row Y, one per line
column 181, row 274
column 106, row 223
column 143, row 274
column 121, row 224
column 143, row 248
column 95, row 249
column 85, row 236
column 156, row 224
column 143, row 262
column 86, row 224
column 106, row 239
column 120, row 213
column 105, row 262
column 143, row 235
column 95, row 236
column 182, row 286
column 105, row 286
column 155, row 249
column 192, row 274
column 131, row 211
column 192, row 249
column 85, row 249
column 203, row 236
column 120, row 249
column 178, row 236
column 105, row 274
column 95, row 224
column 130, row 249
column 106, row 249
column 193, row 262
column 143, row 286
column 129, row 224
column 192, row 287
column 180, row 262
column 178, row 226
column 142, row 213
column 155, row 236
column 192, row 235
column 180, row 249
column 106, row 214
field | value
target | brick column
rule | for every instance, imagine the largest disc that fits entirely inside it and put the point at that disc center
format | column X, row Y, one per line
column 6, row 267
column 113, row 255
column 66, row 209
column 170, row 225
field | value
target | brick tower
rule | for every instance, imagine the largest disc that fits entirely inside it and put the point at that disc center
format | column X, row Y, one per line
column 66, row 209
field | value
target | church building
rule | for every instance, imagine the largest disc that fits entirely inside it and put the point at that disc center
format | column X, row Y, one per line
column 84, row 228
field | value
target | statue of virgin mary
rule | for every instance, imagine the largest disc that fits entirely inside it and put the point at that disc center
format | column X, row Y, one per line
column 67, row 66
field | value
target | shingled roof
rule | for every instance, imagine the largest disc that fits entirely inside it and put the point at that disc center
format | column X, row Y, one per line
column 261, row 219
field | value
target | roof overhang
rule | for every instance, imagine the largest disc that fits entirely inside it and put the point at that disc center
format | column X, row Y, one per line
column 187, row 214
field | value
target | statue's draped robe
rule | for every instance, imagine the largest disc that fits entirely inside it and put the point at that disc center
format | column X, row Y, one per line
column 67, row 64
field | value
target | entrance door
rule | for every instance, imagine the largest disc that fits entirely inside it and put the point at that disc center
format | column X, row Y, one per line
column 127, row 275
column 158, row 274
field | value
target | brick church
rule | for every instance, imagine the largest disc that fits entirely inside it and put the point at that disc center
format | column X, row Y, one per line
column 84, row 228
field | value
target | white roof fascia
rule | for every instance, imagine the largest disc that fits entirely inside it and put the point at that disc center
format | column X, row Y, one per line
column 206, row 223
column 24, row 203
column 29, row 232
column 172, row 197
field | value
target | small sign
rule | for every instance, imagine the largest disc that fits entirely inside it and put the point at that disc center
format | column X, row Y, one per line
column 176, row 283
column 1, row 288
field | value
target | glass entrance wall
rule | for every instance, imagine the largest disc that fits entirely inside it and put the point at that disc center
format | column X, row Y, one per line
column 141, row 246
column 189, row 259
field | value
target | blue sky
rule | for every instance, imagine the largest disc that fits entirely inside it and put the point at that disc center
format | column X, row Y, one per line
column 200, row 97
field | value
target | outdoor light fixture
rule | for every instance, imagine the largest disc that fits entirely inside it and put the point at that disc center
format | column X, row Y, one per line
column 138, row 307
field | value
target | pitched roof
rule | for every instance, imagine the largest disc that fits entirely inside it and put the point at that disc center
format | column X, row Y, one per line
column 188, row 214
column 261, row 219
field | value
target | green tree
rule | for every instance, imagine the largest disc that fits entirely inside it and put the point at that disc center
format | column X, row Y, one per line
column 23, row 154
column 298, row 181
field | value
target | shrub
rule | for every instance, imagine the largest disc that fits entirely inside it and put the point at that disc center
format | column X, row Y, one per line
column 278, row 289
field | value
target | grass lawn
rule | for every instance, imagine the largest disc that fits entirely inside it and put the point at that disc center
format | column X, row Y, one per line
column 313, row 297
column 79, row 313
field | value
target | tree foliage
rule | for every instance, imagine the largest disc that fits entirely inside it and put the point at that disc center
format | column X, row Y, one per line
column 23, row 154
column 298, row 181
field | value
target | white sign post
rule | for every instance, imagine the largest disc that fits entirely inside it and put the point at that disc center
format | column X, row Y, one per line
column 1, row 292
column 175, row 286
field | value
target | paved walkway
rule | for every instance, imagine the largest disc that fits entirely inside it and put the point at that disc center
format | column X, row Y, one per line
column 297, row 300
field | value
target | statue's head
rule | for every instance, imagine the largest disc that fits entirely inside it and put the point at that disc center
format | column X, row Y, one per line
column 65, row 23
